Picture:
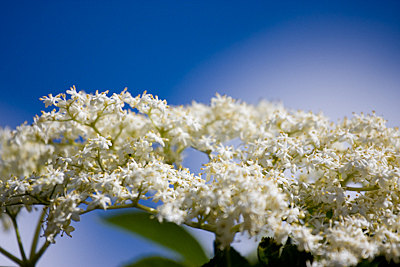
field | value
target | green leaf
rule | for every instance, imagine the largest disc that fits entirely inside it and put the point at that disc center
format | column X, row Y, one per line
column 228, row 257
column 155, row 262
column 166, row 234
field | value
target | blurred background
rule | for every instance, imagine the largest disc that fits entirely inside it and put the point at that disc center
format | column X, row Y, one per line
column 337, row 57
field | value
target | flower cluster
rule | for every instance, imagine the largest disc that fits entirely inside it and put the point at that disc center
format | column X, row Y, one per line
column 332, row 188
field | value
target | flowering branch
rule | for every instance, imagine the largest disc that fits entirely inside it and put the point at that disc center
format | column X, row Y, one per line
column 270, row 171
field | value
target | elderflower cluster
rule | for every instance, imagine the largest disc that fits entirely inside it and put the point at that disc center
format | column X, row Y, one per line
column 332, row 188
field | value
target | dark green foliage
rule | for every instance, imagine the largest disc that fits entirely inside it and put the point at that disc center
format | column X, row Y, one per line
column 329, row 214
column 228, row 257
column 155, row 262
column 166, row 234
column 271, row 254
column 378, row 261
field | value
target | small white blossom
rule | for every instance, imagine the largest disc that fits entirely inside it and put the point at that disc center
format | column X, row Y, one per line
column 333, row 189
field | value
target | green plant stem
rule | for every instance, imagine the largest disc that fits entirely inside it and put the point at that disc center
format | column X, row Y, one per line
column 206, row 227
column 145, row 208
column 37, row 234
column 99, row 161
column 236, row 228
column 358, row 189
column 227, row 256
column 19, row 240
column 223, row 256
column 10, row 256
column 133, row 205
column 37, row 256
column 202, row 226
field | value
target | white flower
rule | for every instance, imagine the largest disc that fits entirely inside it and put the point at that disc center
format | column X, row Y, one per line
column 99, row 200
column 332, row 188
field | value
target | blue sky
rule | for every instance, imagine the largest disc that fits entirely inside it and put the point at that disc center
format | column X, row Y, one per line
column 337, row 57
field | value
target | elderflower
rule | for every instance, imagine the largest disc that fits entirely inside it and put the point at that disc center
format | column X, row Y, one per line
column 332, row 189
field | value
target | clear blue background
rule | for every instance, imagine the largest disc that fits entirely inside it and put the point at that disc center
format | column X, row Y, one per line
column 330, row 56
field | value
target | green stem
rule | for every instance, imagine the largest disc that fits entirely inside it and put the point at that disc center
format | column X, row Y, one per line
column 236, row 228
column 345, row 181
column 113, row 141
column 19, row 240
column 10, row 256
column 93, row 126
column 37, row 256
column 202, row 226
column 358, row 189
column 37, row 234
column 99, row 161
column 110, row 208
column 222, row 255
column 227, row 256
column 145, row 208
